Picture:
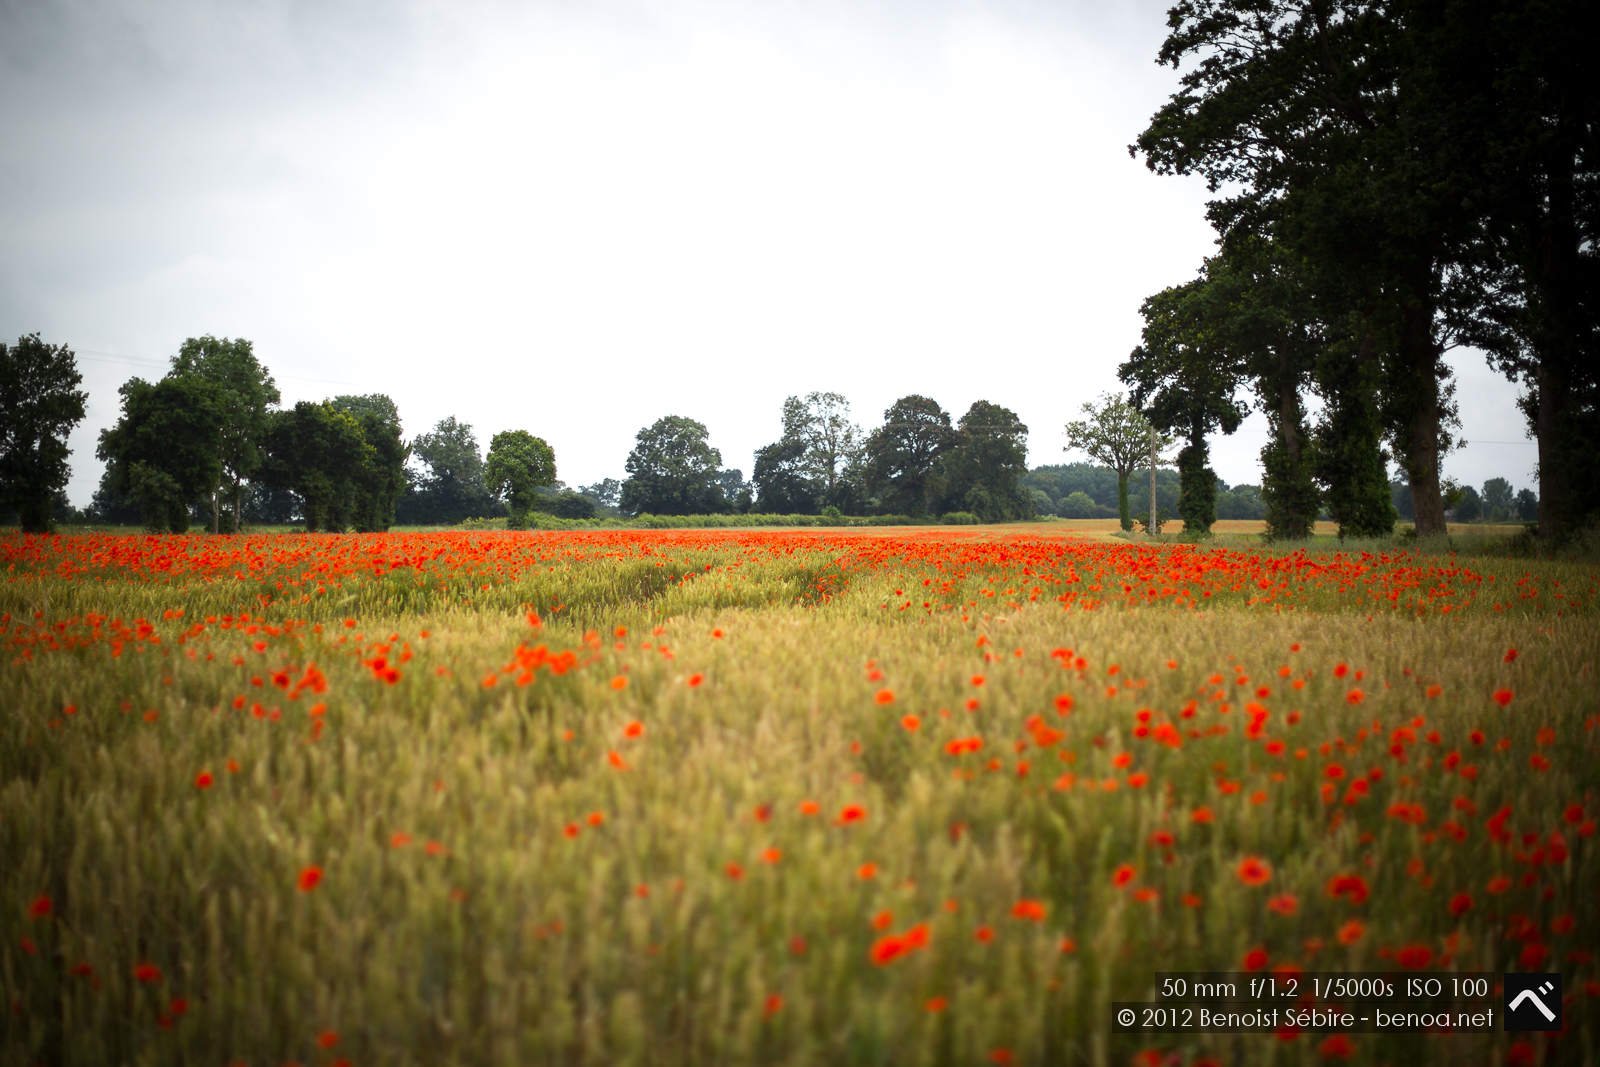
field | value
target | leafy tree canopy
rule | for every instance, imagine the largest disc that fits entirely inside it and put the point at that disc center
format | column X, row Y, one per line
column 321, row 454
column 1112, row 433
column 901, row 455
column 40, row 403
column 673, row 470
column 245, row 392
column 450, row 486
column 519, row 465
column 162, row 453
column 982, row 471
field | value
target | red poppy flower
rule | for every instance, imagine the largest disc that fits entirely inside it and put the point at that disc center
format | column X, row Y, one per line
column 1254, row 871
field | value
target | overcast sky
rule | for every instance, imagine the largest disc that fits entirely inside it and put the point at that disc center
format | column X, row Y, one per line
column 576, row 217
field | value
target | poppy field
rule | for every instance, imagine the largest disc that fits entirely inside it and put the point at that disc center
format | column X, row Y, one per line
column 683, row 797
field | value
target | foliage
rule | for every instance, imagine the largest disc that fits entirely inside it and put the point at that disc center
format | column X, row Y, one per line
column 1350, row 461
column 901, row 457
column 1241, row 502
column 318, row 452
column 1498, row 500
column 40, row 403
column 1115, row 434
column 736, row 492
column 378, row 471
column 1197, row 499
column 246, row 394
column 815, row 463
column 673, row 470
column 607, row 492
column 518, row 465
column 162, row 453
column 1183, row 377
column 781, row 479
column 450, row 485
column 1459, row 140
column 1088, row 491
column 571, row 505
column 1525, row 99
column 832, row 443
column 982, row 470
column 1079, row 505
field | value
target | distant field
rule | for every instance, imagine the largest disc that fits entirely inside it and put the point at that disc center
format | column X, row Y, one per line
column 1228, row 529
column 905, row 796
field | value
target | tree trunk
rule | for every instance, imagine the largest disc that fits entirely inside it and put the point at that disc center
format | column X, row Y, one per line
column 1289, row 420
column 1419, row 362
column 238, row 505
column 216, row 511
column 1287, row 489
column 1122, row 500
column 1562, row 445
column 1558, row 510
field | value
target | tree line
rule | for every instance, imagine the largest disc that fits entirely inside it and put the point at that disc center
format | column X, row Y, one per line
column 916, row 463
column 1389, row 182
column 208, row 443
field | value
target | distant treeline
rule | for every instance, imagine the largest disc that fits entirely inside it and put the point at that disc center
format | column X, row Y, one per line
column 208, row 444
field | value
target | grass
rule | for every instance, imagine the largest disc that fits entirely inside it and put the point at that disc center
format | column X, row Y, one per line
column 902, row 796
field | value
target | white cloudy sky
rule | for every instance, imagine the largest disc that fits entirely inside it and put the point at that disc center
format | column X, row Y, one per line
column 576, row 217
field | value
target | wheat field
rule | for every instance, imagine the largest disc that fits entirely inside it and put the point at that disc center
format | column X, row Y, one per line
column 720, row 797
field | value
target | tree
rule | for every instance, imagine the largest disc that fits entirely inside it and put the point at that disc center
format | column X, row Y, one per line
column 246, row 393
column 1323, row 121
column 319, row 453
column 782, row 484
column 1063, row 480
column 813, row 463
column 982, row 471
column 111, row 504
column 1498, row 500
column 1078, row 505
column 162, row 453
column 1469, row 506
column 1527, row 505
column 1183, row 377
column 832, row 442
column 736, row 494
column 378, row 476
column 902, row 455
column 673, row 470
column 1115, row 434
column 607, row 492
column 519, row 463
column 1524, row 98
column 1241, row 502
column 451, row 485
column 40, row 403
column 378, row 406
column 1274, row 326
column 1350, row 461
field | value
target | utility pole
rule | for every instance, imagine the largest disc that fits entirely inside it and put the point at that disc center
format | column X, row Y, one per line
column 1152, row 529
